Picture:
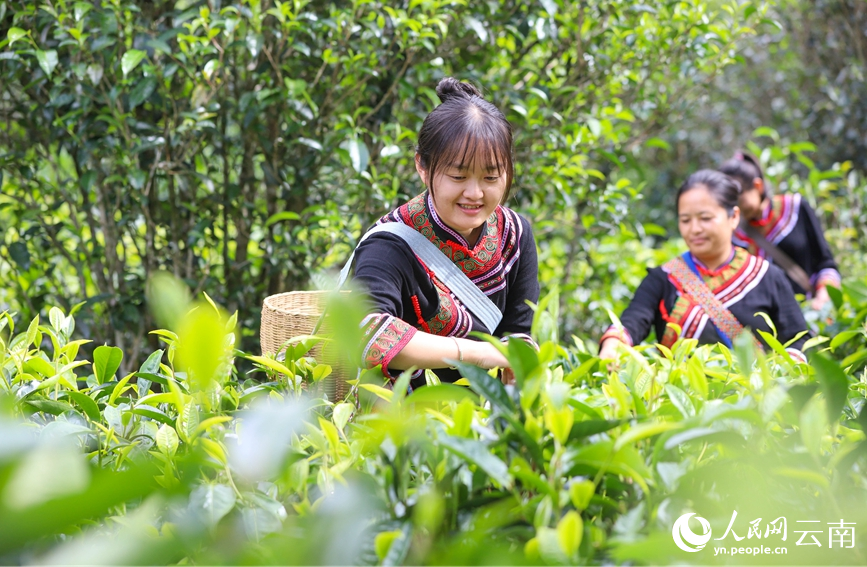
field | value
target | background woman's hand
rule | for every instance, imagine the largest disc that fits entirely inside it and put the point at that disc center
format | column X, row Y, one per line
column 822, row 297
column 608, row 349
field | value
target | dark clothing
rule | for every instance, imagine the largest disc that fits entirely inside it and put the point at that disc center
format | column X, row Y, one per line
column 790, row 223
column 746, row 285
column 407, row 297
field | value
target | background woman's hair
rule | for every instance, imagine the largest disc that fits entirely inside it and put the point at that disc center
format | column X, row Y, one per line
column 724, row 189
column 744, row 167
column 462, row 128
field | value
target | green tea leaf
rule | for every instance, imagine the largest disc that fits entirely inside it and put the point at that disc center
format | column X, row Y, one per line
column 834, row 384
column 570, row 531
column 47, row 60
column 440, row 393
column 167, row 440
column 813, row 425
column 643, row 431
column 86, row 403
column 580, row 493
column 681, row 400
column 341, row 414
column 14, row 34
column 478, row 454
column 487, row 387
column 213, row 502
column 106, row 361
column 130, row 60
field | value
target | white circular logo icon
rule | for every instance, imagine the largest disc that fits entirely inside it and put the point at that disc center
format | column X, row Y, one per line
column 684, row 537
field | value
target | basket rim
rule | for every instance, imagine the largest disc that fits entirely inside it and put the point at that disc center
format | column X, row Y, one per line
column 268, row 301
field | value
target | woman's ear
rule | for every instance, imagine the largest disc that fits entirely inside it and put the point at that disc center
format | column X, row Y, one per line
column 735, row 217
column 422, row 172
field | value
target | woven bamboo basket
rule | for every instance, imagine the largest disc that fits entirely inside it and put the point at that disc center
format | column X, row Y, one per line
column 295, row 313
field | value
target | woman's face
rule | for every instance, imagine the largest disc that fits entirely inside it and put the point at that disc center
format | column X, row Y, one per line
column 705, row 226
column 464, row 196
column 750, row 201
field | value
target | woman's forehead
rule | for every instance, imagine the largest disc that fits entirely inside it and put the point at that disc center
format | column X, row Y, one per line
column 698, row 197
column 473, row 154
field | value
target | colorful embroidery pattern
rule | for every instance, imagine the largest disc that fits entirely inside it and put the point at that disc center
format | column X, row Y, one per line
column 693, row 310
column 386, row 335
column 776, row 223
column 487, row 265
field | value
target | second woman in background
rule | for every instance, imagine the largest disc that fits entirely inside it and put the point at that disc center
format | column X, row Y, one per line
column 787, row 223
column 715, row 290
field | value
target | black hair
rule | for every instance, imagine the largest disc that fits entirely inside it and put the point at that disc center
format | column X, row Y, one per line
column 744, row 167
column 462, row 127
column 725, row 190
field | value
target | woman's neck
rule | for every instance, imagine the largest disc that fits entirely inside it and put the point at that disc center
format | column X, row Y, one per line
column 714, row 262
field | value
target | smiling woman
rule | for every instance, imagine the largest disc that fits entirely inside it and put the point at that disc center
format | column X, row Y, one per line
column 715, row 290
column 416, row 318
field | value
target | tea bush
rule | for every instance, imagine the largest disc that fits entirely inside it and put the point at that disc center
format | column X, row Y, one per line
column 187, row 460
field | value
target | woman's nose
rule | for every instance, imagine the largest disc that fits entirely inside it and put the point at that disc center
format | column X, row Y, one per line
column 473, row 189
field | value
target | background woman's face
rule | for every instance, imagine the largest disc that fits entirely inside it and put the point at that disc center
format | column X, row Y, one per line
column 750, row 201
column 705, row 225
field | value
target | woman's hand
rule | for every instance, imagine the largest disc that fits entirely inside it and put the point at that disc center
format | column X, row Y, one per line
column 608, row 349
column 822, row 297
column 483, row 354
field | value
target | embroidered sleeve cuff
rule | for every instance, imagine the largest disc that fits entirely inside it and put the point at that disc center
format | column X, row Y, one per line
column 797, row 355
column 826, row 277
column 524, row 337
column 621, row 335
column 385, row 336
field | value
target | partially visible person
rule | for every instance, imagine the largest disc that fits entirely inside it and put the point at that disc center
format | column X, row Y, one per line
column 464, row 159
column 715, row 290
column 787, row 222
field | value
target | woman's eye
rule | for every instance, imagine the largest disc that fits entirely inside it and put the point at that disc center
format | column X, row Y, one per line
column 457, row 177
column 491, row 179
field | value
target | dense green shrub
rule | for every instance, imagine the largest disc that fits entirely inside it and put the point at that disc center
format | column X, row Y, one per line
column 244, row 145
column 185, row 460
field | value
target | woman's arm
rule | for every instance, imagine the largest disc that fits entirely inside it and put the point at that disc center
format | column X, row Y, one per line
column 385, row 266
column 425, row 350
column 825, row 271
column 523, row 281
column 639, row 316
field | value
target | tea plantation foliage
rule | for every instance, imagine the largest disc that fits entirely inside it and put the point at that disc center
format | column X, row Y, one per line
column 188, row 460
column 243, row 147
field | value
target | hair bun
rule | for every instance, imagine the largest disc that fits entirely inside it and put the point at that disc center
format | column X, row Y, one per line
column 449, row 88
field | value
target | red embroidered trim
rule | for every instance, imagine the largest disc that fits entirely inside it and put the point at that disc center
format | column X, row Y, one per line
column 613, row 332
column 664, row 312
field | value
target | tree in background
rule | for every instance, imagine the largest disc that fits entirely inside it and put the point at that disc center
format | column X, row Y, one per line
column 796, row 100
column 244, row 146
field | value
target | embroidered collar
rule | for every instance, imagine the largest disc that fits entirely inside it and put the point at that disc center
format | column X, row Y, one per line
column 705, row 271
column 498, row 234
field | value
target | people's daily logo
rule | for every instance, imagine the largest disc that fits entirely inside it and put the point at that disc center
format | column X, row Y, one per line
column 685, row 538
